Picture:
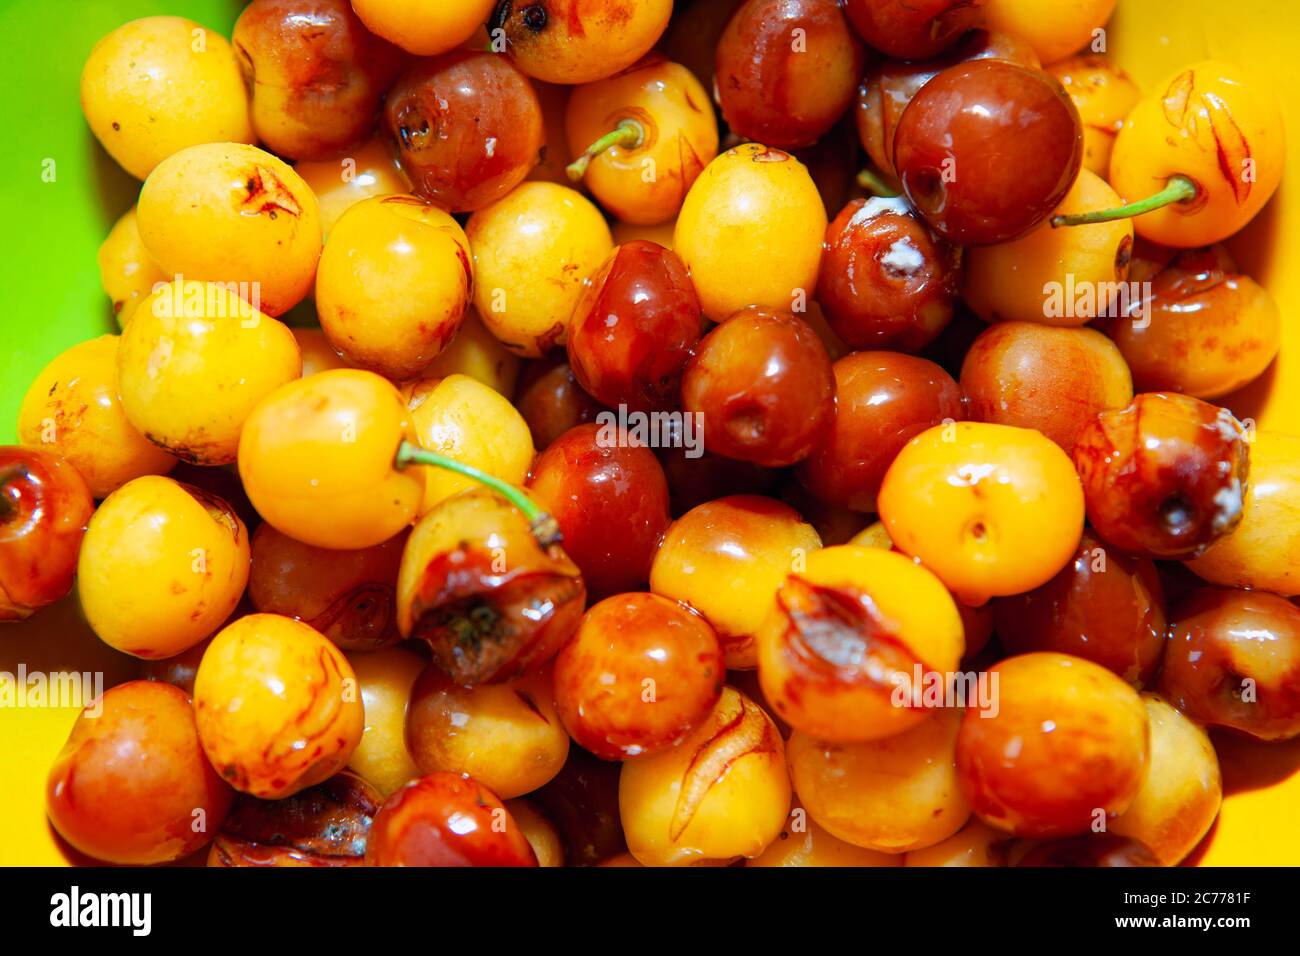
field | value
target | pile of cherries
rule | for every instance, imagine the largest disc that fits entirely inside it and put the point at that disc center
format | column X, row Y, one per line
column 604, row 433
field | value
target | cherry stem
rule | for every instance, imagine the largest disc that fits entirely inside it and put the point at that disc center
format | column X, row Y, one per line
column 876, row 184
column 628, row 134
column 1178, row 189
column 544, row 526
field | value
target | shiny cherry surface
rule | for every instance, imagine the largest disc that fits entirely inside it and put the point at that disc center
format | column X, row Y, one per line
column 131, row 782
column 609, row 495
column 1104, row 606
column 890, row 85
column 763, row 383
column 883, row 400
column 786, row 70
column 911, row 29
column 1164, row 476
column 1204, row 328
column 44, row 507
column 886, row 281
column 1234, row 661
column 639, row 674
column 1053, row 379
column 446, row 819
column 634, row 327
column 987, row 150
column 468, row 128
column 506, row 736
column 1069, row 739
column 317, row 75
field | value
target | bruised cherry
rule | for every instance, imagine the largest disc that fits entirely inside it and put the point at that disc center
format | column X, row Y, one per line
column 324, row 825
column 44, row 507
column 1164, row 476
column 489, row 598
column 467, row 126
column 316, row 73
column 763, row 383
column 887, row 281
column 633, row 329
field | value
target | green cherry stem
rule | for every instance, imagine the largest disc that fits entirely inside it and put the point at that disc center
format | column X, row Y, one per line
column 1178, row 189
column 628, row 134
column 544, row 526
column 876, row 184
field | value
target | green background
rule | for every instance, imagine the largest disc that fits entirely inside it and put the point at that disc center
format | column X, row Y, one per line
column 49, row 281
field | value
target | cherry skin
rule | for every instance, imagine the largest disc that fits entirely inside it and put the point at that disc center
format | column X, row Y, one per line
column 782, row 87
column 446, row 819
column 1234, row 661
column 887, row 281
column 912, row 29
column 654, row 116
column 1208, row 329
column 1104, row 606
column 578, row 41
column 634, row 327
column 987, row 150
column 891, row 84
column 1033, row 375
column 551, row 401
column 883, row 400
column 131, row 781
column 762, row 382
column 316, row 73
column 610, row 498
column 582, row 802
column 44, row 507
column 639, row 674
column 468, row 128
column 1165, row 476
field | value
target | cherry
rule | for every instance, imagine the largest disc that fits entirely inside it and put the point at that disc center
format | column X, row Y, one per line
column 987, row 150
column 763, row 382
column 886, row 281
column 634, row 327
column 468, row 128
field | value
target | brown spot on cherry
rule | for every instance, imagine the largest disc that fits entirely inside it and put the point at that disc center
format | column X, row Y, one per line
column 267, row 194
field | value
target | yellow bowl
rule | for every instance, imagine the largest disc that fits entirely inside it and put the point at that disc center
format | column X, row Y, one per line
column 1151, row 39
column 48, row 273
